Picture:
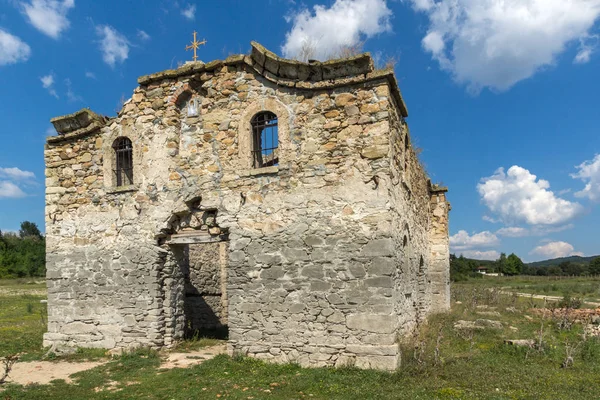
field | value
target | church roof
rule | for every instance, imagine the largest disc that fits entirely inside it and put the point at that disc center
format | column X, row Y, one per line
column 292, row 73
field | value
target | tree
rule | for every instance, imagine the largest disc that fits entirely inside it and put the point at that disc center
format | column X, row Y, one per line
column 29, row 229
column 23, row 254
column 554, row 270
column 570, row 269
column 500, row 263
column 594, row 267
column 513, row 265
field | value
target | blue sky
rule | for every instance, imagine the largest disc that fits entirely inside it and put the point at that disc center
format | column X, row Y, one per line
column 502, row 94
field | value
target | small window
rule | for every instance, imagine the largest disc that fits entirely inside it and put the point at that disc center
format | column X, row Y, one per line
column 406, row 148
column 265, row 137
column 124, row 162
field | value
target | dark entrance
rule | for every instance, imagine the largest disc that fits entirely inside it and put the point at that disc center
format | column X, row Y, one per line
column 205, row 294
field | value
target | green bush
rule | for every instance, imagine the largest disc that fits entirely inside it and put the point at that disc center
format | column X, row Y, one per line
column 570, row 302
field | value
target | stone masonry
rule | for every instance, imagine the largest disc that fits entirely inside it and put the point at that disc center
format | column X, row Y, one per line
column 325, row 259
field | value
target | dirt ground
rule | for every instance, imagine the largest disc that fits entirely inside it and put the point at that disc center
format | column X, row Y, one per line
column 43, row 372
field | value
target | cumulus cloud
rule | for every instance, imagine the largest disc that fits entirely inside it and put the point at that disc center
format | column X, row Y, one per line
column 463, row 241
column 497, row 43
column 11, row 179
column 517, row 196
column 114, row 46
column 189, row 12
column 16, row 174
column 589, row 173
column 555, row 250
column 481, row 255
column 327, row 31
column 48, row 84
column 10, row 190
column 49, row 16
column 12, row 49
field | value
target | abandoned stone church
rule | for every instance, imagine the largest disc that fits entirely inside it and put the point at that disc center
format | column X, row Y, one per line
column 281, row 200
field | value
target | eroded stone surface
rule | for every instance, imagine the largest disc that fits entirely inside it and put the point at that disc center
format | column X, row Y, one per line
column 329, row 256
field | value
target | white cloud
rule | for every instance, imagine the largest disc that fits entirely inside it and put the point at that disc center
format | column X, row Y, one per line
column 555, row 250
column 48, row 83
column 114, row 46
column 90, row 75
column 497, row 43
column 481, row 255
column 518, row 196
column 540, row 230
column 342, row 25
column 49, row 16
column 463, row 241
column 71, row 95
column 587, row 46
column 12, row 49
column 189, row 12
column 16, row 174
column 487, row 218
column 513, row 232
column 10, row 179
column 423, row 5
column 10, row 190
column 143, row 36
column 589, row 173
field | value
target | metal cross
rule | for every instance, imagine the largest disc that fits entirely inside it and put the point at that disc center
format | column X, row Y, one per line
column 195, row 45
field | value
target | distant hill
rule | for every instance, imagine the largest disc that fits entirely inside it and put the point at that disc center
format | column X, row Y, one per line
column 545, row 263
column 557, row 261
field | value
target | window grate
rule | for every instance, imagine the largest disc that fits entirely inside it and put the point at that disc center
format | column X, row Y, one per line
column 124, row 162
column 265, row 134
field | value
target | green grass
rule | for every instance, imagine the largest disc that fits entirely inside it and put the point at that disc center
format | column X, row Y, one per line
column 582, row 287
column 22, row 318
column 477, row 366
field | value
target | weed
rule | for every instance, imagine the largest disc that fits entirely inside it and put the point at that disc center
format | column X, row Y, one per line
column 570, row 302
column 438, row 361
column 7, row 364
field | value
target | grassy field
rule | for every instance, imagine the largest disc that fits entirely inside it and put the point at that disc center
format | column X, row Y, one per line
column 22, row 317
column 582, row 287
column 439, row 362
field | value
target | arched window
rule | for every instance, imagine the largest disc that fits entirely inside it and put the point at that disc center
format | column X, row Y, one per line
column 124, row 161
column 265, row 140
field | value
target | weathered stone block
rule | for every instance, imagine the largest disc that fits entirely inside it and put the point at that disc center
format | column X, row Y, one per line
column 378, row 248
column 382, row 323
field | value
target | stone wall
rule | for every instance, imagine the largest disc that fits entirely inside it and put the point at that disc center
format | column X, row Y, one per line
column 205, row 292
column 328, row 253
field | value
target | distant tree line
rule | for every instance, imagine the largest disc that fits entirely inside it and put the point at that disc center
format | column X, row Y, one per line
column 462, row 268
column 22, row 254
column 566, row 268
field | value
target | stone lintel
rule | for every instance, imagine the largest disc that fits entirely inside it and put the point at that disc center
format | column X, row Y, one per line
column 194, row 238
column 259, row 171
column 436, row 189
column 91, row 128
column 79, row 120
